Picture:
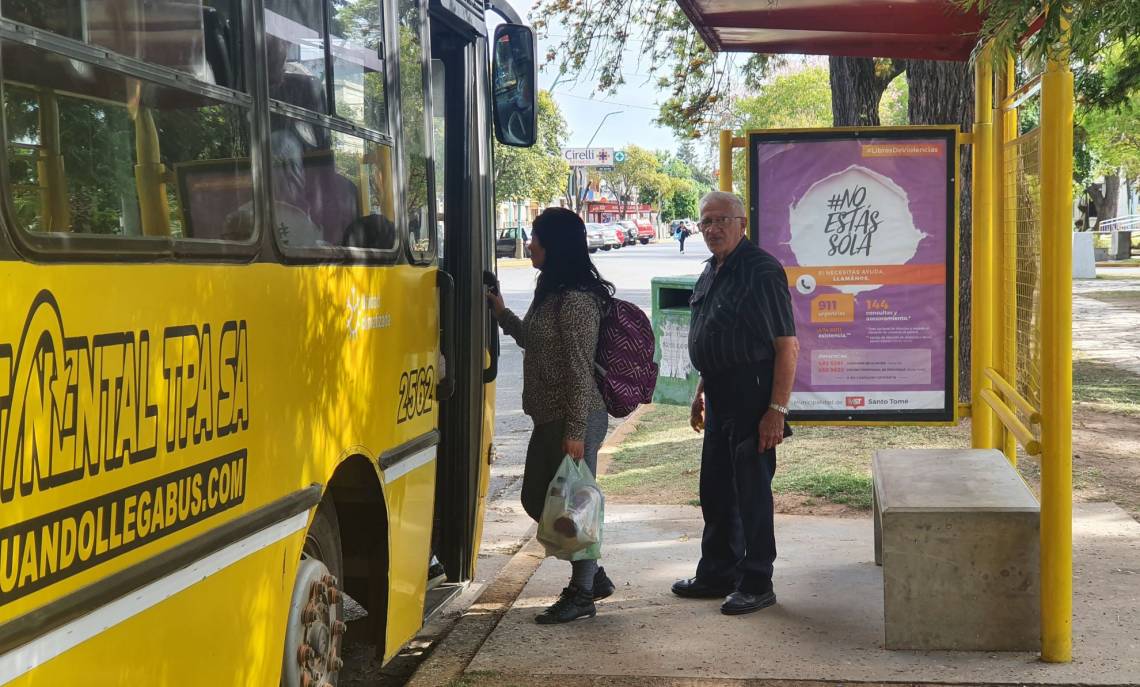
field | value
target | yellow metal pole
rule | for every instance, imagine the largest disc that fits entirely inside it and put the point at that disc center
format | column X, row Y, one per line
column 982, row 422
column 1057, row 358
column 1005, row 234
column 150, row 176
column 50, row 169
column 724, row 183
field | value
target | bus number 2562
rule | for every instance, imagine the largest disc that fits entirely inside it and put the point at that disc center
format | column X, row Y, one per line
column 416, row 389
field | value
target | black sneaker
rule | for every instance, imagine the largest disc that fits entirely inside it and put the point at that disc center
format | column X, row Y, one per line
column 603, row 585
column 571, row 605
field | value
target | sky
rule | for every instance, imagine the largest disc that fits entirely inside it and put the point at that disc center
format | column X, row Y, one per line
column 636, row 101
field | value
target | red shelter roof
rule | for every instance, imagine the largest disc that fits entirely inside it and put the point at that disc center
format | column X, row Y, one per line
column 921, row 29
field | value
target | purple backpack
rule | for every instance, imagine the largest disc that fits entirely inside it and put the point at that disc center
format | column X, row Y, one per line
column 624, row 364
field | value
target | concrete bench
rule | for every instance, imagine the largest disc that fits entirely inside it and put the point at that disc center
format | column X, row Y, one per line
column 957, row 534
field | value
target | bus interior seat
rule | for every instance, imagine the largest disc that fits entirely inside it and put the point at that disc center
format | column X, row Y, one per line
column 371, row 231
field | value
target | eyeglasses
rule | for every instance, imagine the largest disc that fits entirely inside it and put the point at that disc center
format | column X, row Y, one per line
column 707, row 222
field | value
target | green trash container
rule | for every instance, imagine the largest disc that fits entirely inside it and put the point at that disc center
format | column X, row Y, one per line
column 676, row 379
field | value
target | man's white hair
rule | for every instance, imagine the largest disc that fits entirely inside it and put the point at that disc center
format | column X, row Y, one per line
column 723, row 197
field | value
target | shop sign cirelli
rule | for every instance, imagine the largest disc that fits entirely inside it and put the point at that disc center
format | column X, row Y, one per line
column 588, row 157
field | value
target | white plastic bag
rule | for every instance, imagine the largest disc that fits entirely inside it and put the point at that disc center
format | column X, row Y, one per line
column 571, row 523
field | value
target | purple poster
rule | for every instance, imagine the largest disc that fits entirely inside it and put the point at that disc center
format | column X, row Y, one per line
column 863, row 223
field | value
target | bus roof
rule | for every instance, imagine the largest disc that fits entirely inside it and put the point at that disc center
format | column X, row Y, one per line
column 919, row 29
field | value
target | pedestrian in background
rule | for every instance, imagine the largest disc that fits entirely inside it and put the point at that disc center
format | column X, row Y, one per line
column 559, row 338
column 742, row 341
column 682, row 234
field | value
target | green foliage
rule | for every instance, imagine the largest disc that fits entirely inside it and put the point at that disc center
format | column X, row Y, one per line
column 893, row 109
column 1107, row 129
column 599, row 33
column 539, row 172
column 683, row 185
column 1113, row 136
column 1095, row 25
column 793, row 100
column 638, row 174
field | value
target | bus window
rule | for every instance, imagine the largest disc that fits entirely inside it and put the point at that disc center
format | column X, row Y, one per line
column 295, row 52
column 355, row 38
column 94, row 152
column 416, row 136
column 439, row 136
column 333, row 193
column 198, row 37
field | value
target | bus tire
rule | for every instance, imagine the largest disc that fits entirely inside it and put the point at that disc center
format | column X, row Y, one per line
column 315, row 625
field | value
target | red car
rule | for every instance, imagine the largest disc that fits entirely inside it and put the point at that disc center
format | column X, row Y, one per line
column 645, row 232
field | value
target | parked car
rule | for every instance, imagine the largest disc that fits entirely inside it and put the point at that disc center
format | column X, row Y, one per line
column 630, row 230
column 619, row 233
column 595, row 237
column 609, row 235
column 645, row 230
column 505, row 244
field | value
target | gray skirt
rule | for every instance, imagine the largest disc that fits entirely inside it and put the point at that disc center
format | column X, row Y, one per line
column 544, row 454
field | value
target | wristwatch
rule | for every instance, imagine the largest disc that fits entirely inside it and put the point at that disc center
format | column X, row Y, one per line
column 783, row 410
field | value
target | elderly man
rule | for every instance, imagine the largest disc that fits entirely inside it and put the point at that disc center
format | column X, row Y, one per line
column 742, row 341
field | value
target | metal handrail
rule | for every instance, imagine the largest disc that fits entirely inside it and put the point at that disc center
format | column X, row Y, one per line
column 1012, row 396
column 1008, row 418
column 1124, row 223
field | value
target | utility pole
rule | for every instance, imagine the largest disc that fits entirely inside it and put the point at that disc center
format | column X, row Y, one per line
column 578, row 191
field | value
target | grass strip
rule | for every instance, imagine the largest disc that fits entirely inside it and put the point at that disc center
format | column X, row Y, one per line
column 660, row 461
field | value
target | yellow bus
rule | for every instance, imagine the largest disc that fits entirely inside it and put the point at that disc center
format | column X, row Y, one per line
column 246, row 367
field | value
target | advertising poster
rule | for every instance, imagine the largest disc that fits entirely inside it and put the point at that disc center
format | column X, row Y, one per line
column 863, row 222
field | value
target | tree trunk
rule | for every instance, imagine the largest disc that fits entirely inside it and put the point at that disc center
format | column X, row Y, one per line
column 1111, row 196
column 1096, row 198
column 857, row 85
column 943, row 93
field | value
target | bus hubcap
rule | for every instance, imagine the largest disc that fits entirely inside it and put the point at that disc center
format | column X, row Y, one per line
column 312, row 637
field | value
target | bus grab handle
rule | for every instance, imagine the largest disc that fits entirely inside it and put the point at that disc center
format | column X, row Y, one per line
column 446, row 283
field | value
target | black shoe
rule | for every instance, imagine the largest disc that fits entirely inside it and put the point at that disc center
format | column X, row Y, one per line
column 571, row 605
column 739, row 603
column 603, row 585
column 693, row 588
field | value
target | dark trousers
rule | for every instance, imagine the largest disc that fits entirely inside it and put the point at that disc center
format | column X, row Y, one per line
column 739, row 543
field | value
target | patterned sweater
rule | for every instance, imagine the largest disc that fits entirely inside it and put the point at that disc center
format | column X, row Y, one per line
column 559, row 338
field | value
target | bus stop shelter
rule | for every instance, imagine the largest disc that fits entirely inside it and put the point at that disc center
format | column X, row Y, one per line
column 1020, row 398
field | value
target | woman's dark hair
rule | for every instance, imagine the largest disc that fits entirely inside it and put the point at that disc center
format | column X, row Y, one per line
column 562, row 234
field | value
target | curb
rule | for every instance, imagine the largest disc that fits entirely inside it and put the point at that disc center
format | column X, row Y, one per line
column 512, row 263
column 452, row 654
column 613, row 442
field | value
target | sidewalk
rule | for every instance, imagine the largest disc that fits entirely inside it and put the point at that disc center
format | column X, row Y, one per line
column 1103, row 331
column 828, row 624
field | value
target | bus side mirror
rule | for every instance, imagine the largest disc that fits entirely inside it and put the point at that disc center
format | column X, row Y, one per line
column 513, row 85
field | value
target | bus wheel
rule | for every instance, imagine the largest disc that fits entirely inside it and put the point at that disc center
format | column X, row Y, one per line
column 316, row 611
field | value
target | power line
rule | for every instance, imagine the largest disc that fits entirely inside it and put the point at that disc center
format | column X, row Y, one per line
column 607, row 102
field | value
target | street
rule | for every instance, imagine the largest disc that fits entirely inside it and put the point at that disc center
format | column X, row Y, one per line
column 630, row 269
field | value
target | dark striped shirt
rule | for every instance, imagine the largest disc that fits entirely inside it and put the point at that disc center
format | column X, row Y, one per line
column 739, row 310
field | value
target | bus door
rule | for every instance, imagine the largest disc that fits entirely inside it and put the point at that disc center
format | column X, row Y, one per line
column 462, row 192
